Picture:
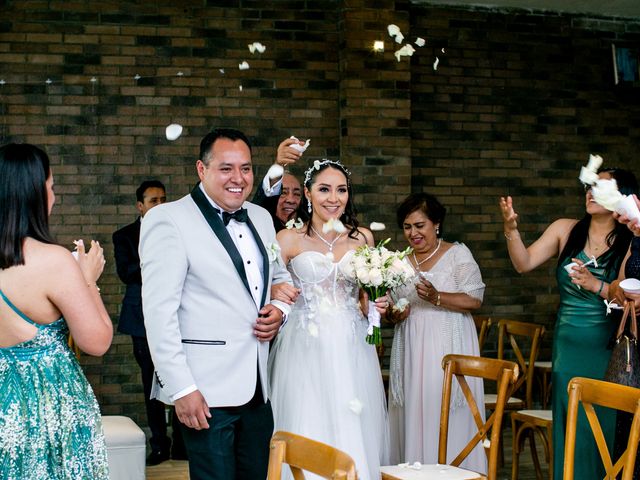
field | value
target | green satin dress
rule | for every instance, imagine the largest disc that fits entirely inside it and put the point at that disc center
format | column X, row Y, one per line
column 580, row 340
column 50, row 423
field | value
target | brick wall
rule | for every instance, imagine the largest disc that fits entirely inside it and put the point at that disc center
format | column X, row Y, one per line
column 518, row 102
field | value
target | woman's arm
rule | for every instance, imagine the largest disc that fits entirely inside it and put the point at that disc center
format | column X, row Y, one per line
column 78, row 297
column 549, row 245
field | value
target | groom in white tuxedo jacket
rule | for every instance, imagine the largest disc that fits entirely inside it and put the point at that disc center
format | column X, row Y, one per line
column 208, row 262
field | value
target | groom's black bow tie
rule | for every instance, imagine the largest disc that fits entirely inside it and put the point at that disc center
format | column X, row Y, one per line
column 239, row 216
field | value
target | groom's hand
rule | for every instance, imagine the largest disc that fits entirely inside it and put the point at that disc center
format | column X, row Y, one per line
column 268, row 323
column 192, row 410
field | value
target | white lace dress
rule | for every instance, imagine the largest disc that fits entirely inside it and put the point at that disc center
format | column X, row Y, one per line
column 325, row 379
column 419, row 344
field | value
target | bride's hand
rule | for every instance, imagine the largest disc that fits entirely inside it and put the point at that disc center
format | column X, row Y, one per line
column 285, row 292
column 382, row 304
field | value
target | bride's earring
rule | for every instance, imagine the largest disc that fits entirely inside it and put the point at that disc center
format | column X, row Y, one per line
column 309, row 205
column 437, row 229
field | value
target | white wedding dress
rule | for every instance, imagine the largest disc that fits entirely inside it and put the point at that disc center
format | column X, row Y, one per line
column 325, row 379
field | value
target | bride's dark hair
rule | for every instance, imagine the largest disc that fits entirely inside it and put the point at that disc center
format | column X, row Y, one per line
column 348, row 217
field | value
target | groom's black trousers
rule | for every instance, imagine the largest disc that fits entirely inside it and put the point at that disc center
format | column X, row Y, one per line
column 236, row 444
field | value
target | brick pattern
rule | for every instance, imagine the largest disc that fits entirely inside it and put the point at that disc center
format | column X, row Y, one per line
column 518, row 102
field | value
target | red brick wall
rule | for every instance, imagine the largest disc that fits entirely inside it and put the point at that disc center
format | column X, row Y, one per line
column 516, row 106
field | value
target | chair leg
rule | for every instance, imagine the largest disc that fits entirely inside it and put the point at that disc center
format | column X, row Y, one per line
column 515, row 450
column 534, row 454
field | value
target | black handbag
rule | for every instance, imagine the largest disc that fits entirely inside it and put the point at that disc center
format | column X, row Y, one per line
column 624, row 364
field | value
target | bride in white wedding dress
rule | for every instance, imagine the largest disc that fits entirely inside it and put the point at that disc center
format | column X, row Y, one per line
column 325, row 379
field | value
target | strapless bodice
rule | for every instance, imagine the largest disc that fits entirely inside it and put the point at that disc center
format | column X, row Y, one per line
column 323, row 282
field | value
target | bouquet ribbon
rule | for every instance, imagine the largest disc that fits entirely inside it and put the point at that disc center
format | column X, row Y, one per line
column 373, row 317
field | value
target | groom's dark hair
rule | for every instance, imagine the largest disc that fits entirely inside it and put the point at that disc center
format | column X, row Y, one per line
column 210, row 138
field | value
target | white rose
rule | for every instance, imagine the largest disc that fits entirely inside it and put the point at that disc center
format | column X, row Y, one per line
column 362, row 274
column 375, row 277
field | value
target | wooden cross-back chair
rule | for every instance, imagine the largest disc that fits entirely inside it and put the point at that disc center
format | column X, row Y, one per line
column 483, row 325
column 504, row 373
column 592, row 392
column 520, row 335
column 302, row 453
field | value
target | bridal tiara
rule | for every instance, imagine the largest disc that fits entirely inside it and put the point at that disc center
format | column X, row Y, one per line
column 320, row 163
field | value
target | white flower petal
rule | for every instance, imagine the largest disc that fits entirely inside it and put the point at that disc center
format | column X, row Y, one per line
column 243, row 66
column 393, row 30
column 595, row 161
column 355, row 406
column 587, row 176
column 435, row 64
column 173, row 131
column 420, row 41
column 313, row 329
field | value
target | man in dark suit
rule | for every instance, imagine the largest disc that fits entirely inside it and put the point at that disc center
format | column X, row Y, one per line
column 280, row 192
column 125, row 242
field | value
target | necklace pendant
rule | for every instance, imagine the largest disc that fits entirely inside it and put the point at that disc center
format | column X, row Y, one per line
column 329, row 255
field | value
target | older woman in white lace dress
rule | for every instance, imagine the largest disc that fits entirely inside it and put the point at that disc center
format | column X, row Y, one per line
column 438, row 322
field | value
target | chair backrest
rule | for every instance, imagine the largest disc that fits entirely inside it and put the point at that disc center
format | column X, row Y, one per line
column 504, row 373
column 591, row 392
column 521, row 335
column 483, row 325
column 302, row 453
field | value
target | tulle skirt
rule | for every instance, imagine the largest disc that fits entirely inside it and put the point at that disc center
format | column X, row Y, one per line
column 326, row 385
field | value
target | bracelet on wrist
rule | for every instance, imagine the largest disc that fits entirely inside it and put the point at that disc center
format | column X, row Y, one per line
column 508, row 235
column 94, row 285
column 601, row 287
column 438, row 300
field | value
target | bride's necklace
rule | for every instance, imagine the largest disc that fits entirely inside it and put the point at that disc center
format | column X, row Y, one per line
column 415, row 259
column 328, row 244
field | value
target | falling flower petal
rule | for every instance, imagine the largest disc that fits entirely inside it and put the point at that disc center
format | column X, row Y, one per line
column 420, row 42
column 256, row 46
column 401, row 305
column 377, row 226
column 587, row 176
column 221, row 70
column 405, row 51
column 399, row 38
column 355, row 406
column 173, row 131
column 296, row 223
column 335, row 225
column 393, row 30
column 442, row 50
column 243, row 66
column 435, row 64
column 313, row 329
column 595, row 162
column 240, row 87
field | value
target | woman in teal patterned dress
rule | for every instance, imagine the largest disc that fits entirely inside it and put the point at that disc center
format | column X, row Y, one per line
column 582, row 330
column 50, row 425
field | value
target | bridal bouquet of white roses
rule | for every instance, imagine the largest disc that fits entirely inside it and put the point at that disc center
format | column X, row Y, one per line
column 377, row 270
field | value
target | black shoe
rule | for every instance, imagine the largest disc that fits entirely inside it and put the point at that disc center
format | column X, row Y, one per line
column 156, row 457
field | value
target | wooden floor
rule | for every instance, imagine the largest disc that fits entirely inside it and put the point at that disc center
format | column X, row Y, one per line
column 178, row 470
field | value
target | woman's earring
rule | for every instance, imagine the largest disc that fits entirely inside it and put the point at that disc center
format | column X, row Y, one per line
column 308, row 205
column 437, row 229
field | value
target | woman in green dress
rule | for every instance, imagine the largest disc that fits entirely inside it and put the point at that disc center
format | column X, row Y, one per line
column 50, row 423
column 582, row 330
